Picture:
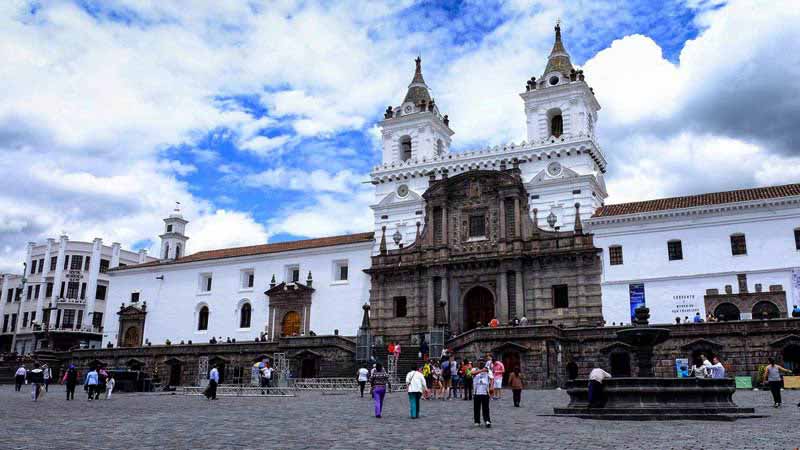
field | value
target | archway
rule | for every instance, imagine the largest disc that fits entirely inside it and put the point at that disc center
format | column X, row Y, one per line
column 511, row 360
column 290, row 326
column 727, row 311
column 791, row 358
column 478, row 307
column 131, row 338
column 620, row 363
column 696, row 356
column 308, row 368
column 766, row 310
column 572, row 370
column 175, row 368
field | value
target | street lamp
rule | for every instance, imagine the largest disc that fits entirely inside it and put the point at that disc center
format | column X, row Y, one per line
column 397, row 237
column 551, row 220
column 19, row 305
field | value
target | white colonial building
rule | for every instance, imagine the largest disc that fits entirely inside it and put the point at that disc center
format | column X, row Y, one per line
column 734, row 255
column 244, row 293
column 60, row 300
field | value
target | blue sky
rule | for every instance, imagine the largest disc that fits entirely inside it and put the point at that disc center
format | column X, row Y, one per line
column 260, row 117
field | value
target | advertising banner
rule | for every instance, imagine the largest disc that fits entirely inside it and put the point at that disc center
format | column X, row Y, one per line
column 682, row 367
column 636, row 296
column 796, row 286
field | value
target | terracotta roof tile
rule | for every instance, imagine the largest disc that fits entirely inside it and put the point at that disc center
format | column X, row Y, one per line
column 714, row 198
column 261, row 249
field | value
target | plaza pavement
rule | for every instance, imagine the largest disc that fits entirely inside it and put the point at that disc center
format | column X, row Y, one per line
column 321, row 422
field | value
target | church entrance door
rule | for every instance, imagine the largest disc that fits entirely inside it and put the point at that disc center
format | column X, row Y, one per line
column 478, row 307
column 131, row 337
column 291, row 324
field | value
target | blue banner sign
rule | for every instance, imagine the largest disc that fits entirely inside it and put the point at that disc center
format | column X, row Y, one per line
column 637, row 297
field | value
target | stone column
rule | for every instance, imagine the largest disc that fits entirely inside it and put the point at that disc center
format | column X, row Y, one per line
column 444, row 225
column 58, row 277
column 503, row 218
column 520, row 295
column 431, row 306
column 517, row 219
column 91, row 287
column 43, row 279
column 502, row 301
column 115, row 248
column 271, row 323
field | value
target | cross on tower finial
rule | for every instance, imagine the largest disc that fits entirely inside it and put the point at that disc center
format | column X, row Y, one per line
column 419, row 63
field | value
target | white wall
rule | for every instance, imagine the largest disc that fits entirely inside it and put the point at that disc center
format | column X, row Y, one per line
column 707, row 261
column 172, row 304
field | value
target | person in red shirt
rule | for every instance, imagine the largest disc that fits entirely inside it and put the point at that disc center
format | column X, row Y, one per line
column 494, row 323
column 391, row 348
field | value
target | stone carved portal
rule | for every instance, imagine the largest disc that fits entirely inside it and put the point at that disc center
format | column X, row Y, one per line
column 478, row 307
column 131, row 337
column 290, row 326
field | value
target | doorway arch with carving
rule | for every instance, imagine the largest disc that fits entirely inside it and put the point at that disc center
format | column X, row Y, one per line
column 131, row 338
column 290, row 326
column 478, row 307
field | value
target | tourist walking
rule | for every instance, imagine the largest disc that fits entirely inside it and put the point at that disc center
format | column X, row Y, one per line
column 436, row 373
column 102, row 376
column 110, row 383
column 48, row 374
column 19, row 378
column 772, row 375
column 466, row 370
column 70, row 380
column 266, row 375
column 213, row 381
column 36, row 380
column 416, row 387
column 597, row 397
column 424, row 350
column 717, row 369
column 362, row 376
column 91, row 383
column 396, row 353
column 427, row 372
column 482, row 380
column 378, row 381
column 516, row 384
column 498, row 370
column 455, row 378
column 447, row 376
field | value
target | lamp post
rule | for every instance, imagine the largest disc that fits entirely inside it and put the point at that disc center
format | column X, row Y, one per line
column 19, row 305
column 397, row 237
column 551, row 220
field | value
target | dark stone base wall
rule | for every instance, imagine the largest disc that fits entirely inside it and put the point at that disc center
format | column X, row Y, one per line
column 319, row 356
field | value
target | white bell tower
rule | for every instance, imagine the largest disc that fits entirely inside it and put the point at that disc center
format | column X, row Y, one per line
column 415, row 130
column 173, row 241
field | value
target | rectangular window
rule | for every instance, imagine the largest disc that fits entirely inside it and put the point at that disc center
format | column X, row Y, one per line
column 79, row 319
column 32, row 268
column 509, row 205
column 33, row 317
column 205, row 282
column 97, row 319
column 477, row 226
column 797, row 238
column 24, row 320
column 742, row 280
column 41, row 265
column 247, row 278
column 560, row 296
column 86, row 263
column 66, row 262
column 72, row 289
column 36, row 290
column 296, row 275
column 61, row 292
column 738, row 245
column 10, row 296
column 169, row 228
column 30, row 292
column 675, row 250
column 134, row 297
column 53, row 262
column 46, row 316
column 292, row 274
column 104, row 263
column 100, row 293
column 251, row 279
column 13, row 322
column 615, row 255
column 437, row 225
column 340, row 270
column 83, row 291
column 5, row 323
column 58, row 318
column 400, row 307
column 76, row 263
column 68, row 319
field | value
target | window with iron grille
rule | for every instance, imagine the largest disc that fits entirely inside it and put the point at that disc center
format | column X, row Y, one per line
column 68, row 318
column 560, row 296
column 738, row 244
column 675, row 250
column 53, row 262
column 134, row 297
column 797, row 238
column 400, row 307
column 41, row 265
column 25, row 320
column 615, row 255
column 86, row 263
column 104, row 263
column 72, row 289
column 510, row 228
column 477, row 226
column 76, row 262
column 100, row 293
column 36, row 290
column 97, row 319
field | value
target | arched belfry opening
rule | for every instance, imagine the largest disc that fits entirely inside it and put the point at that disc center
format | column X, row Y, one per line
column 405, row 148
column 555, row 120
column 478, row 307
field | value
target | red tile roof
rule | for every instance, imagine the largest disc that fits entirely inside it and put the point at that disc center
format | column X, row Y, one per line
column 261, row 249
column 714, row 198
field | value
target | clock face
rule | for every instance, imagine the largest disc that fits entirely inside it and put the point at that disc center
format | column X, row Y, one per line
column 554, row 169
column 408, row 109
column 402, row 190
column 553, row 80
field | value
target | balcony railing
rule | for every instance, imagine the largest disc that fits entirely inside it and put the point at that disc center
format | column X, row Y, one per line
column 71, row 301
column 62, row 328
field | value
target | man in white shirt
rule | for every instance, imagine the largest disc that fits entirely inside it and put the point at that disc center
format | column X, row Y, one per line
column 19, row 378
column 482, row 379
column 597, row 397
column 361, row 377
column 717, row 370
column 213, row 380
column 266, row 375
column 416, row 387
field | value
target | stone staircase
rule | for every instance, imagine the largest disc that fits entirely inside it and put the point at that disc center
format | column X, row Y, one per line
column 409, row 357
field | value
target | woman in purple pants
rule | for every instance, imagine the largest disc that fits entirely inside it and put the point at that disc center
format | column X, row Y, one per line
column 378, row 381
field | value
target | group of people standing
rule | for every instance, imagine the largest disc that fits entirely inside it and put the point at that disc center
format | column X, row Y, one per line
column 97, row 381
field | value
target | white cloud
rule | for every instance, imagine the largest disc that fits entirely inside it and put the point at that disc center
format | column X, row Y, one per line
column 224, row 229
column 299, row 180
column 328, row 215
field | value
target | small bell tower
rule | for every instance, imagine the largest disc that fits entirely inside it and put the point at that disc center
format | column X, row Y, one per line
column 173, row 240
column 415, row 130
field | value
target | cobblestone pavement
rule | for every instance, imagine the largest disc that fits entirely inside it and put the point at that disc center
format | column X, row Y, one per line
column 344, row 421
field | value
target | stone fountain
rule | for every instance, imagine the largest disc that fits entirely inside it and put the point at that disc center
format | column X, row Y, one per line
column 646, row 397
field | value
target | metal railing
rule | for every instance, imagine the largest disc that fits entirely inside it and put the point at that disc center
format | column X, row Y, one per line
column 236, row 390
column 336, row 384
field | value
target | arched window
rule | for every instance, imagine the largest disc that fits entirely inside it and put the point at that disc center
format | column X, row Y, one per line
column 166, row 251
column 727, row 311
column 244, row 316
column 405, row 148
column 202, row 319
column 177, row 251
column 766, row 310
column 439, row 147
column 556, row 125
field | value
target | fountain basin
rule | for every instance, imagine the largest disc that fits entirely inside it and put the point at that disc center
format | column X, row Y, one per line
column 648, row 398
